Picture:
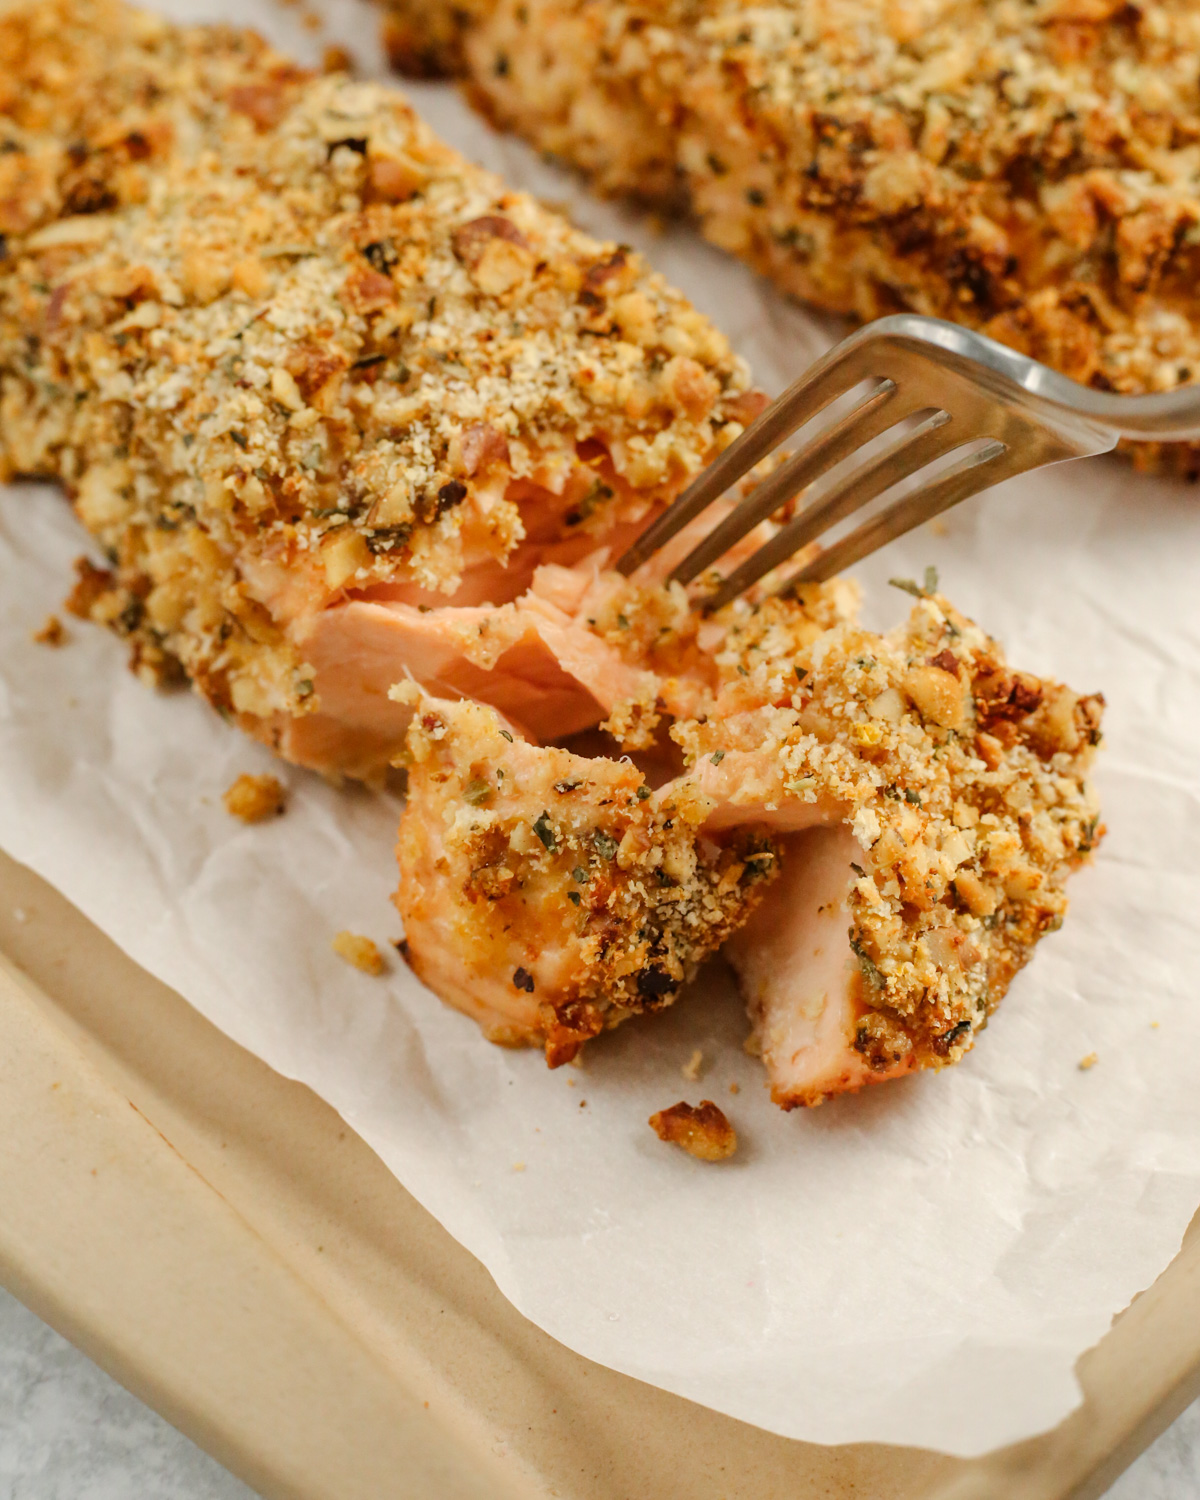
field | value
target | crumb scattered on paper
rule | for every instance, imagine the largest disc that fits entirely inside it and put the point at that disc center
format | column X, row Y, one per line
column 255, row 798
column 52, row 633
column 359, row 951
column 735, row 1088
column 336, row 59
column 518, row 1166
column 1087, row 1062
column 702, row 1130
column 691, row 1069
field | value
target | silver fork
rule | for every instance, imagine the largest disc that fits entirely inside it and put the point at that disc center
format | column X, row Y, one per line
column 951, row 388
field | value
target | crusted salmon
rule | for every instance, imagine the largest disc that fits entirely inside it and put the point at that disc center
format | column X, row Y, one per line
column 903, row 809
column 307, row 373
column 358, row 431
column 1029, row 169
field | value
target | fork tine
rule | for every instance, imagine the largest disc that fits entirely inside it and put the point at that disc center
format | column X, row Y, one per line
column 875, row 414
column 977, row 471
column 832, row 376
column 909, row 453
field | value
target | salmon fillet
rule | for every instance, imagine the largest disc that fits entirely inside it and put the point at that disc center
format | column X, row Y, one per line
column 1027, row 169
column 912, row 805
column 307, row 374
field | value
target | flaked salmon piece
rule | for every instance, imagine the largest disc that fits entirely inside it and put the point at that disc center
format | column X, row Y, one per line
column 946, row 799
column 548, row 895
column 802, row 984
column 291, row 355
column 535, row 660
column 924, row 803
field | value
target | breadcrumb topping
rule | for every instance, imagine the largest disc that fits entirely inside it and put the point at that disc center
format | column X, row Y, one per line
column 1027, row 167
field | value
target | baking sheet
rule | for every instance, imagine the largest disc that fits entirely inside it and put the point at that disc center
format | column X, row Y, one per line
column 921, row 1265
column 229, row 1250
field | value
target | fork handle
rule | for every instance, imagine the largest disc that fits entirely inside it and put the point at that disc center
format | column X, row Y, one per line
column 1167, row 416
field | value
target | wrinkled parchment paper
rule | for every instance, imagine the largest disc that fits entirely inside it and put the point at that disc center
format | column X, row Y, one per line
column 923, row 1264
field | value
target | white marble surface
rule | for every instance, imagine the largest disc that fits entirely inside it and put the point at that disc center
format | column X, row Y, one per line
column 68, row 1432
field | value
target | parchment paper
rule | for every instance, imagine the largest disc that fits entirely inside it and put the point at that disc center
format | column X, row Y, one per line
column 920, row 1265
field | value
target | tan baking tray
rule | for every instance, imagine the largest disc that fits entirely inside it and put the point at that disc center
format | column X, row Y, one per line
column 216, row 1238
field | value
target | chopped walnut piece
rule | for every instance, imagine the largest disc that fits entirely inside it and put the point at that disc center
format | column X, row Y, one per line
column 255, row 798
column 702, row 1130
column 52, row 633
column 359, row 951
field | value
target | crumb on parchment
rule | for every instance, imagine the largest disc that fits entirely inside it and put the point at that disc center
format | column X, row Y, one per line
column 359, row 951
column 1087, row 1062
column 255, row 798
column 52, row 633
column 702, row 1130
column 692, row 1069
column 336, row 59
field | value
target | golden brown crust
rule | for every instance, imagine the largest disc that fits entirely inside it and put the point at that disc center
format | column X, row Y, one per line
column 1029, row 170
column 283, row 346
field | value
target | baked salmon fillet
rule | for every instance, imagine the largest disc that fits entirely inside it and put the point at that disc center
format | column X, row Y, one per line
column 878, row 829
column 317, row 385
column 1029, row 169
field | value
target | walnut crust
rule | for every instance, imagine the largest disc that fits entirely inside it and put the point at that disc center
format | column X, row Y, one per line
column 1029, row 169
column 281, row 345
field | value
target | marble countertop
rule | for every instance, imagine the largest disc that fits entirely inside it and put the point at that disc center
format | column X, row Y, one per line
column 68, row 1432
